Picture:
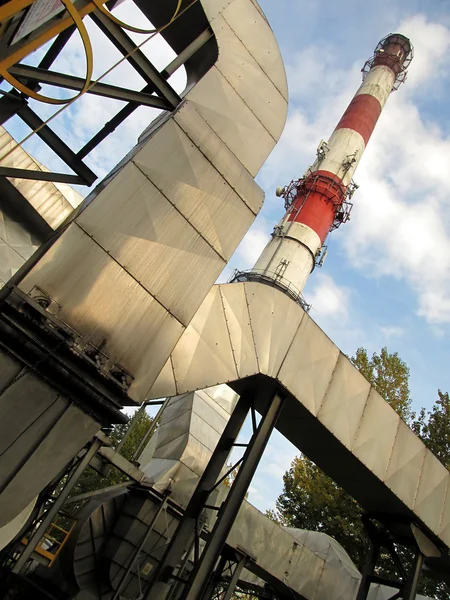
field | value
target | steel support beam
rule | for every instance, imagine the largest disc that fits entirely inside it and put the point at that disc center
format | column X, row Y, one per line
column 229, row 509
column 187, row 53
column 136, row 58
column 412, row 584
column 46, row 134
column 27, row 73
column 185, row 533
column 368, row 570
column 52, row 512
column 235, row 578
column 41, row 175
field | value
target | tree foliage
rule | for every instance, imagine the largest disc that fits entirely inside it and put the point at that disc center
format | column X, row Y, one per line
column 92, row 480
column 389, row 375
column 311, row 500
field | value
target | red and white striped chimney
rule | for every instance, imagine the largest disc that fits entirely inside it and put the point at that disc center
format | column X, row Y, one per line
column 320, row 201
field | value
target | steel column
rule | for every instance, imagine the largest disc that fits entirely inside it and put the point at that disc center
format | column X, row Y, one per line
column 235, row 578
column 228, row 511
column 184, row 535
column 368, row 570
column 413, row 581
column 42, row 528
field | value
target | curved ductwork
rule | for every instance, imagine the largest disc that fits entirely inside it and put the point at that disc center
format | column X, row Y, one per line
column 248, row 333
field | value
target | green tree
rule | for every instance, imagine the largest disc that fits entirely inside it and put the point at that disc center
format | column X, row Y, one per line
column 389, row 375
column 92, row 480
column 434, row 428
column 311, row 500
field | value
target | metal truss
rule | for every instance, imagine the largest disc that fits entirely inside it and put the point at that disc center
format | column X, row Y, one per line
column 157, row 93
column 188, row 534
column 382, row 538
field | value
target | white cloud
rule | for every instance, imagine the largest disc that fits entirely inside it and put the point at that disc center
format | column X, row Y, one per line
column 431, row 42
column 392, row 331
column 328, row 299
column 253, row 244
column 400, row 223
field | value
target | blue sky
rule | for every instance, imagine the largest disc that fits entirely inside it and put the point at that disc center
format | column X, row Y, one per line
column 386, row 280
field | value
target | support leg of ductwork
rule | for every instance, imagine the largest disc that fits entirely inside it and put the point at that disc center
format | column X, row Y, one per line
column 198, row 582
column 413, row 580
column 42, row 528
column 235, row 578
column 184, row 535
column 368, row 570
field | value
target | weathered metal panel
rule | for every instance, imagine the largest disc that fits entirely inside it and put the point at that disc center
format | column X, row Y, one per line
column 39, row 408
column 66, row 437
column 245, row 20
column 376, row 434
column 444, row 524
column 233, row 121
column 9, row 369
column 274, row 319
column 210, row 412
column 104, row 303
column 206, row 341
column 405, row 465
column 48, row 199
column 245, row 75
column 430, row 497
column 309, row 365
column 237, row 317
column 151, row 240
column 226, row 163
column 344, row 401
column 198, row 191
column 17, row 244
column 164, row 384
column 291, row 348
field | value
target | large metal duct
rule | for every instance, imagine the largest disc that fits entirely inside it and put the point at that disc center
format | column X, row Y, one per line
column 331, row 413
column 122, row 279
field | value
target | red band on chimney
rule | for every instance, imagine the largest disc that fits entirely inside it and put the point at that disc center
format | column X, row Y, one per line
column 316, row 202
column 361, row 115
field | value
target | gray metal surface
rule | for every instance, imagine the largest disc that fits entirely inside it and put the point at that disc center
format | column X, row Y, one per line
column 332, row 415
column 53, row 202
column 191, row 426
column 162, row 226
column 38, row 445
